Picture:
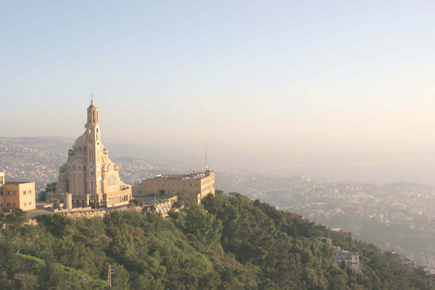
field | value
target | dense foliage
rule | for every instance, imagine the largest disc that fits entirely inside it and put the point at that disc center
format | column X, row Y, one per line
column 49, row 189
column 229, row 243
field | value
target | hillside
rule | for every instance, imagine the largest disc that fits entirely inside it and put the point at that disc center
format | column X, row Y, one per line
column 230, row 243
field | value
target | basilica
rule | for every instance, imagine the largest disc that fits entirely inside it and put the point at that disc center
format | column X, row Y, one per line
column 89, row 174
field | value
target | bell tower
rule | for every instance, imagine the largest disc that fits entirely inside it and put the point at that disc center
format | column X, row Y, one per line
column 94, row 150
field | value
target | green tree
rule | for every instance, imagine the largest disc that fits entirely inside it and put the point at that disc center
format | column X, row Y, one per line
column 203, row 225
column 137, row 202
column 16, row 219
column 120, row 278
column 30, row 282
column 58, row 224
column 143, row 282
column 52, row 276
column 5, row 282
column 2, row 217
column 49, row 188
column 173, row 214
column 9, row 264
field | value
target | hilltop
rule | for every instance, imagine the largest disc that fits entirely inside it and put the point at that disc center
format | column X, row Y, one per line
column 228, row 243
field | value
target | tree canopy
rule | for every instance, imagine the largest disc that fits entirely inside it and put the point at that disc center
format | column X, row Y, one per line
column 227, row 243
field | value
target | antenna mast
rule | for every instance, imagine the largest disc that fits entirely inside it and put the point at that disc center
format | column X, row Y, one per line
column 206, row 159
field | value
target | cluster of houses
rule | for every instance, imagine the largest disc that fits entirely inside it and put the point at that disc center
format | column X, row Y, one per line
column 423, row 271
column 351, row 259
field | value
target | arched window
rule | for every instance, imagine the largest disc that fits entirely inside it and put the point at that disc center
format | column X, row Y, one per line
column 111, row 181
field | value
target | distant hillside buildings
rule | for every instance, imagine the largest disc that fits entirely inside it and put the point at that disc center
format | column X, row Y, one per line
column 16, row 195
column 351, row 259
column 427, row 273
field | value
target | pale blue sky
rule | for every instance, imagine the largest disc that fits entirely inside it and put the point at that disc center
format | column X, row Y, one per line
column 246, row 78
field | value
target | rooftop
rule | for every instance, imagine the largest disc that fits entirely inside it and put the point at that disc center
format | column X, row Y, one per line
column 192, row 175
column 18, row 182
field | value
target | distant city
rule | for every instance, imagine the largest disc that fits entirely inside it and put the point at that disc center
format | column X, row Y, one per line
column 397, row 216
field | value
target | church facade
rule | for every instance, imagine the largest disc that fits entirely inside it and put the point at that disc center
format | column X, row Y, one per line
column 89, row 174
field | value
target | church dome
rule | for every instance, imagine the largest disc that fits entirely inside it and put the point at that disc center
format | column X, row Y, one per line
column 81, row 141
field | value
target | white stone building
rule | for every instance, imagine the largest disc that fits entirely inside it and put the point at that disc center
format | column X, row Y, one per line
column 349, row 258
column 89, row 174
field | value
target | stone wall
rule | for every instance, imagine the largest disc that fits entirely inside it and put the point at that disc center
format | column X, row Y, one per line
column 163, row 206
column 95, row 213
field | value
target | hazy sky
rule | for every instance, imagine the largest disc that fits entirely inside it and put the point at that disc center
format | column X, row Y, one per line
column 248, row 79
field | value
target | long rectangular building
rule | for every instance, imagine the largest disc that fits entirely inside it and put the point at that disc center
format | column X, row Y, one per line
column 192, row 187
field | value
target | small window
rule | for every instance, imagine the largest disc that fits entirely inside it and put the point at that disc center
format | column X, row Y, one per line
column 24, row 192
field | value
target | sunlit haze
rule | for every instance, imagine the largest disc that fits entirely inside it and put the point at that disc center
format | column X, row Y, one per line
column 266, row 86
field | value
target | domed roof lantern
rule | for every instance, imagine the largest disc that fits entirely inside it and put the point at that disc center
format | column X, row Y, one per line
column 92, row 114
column 92, row 106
